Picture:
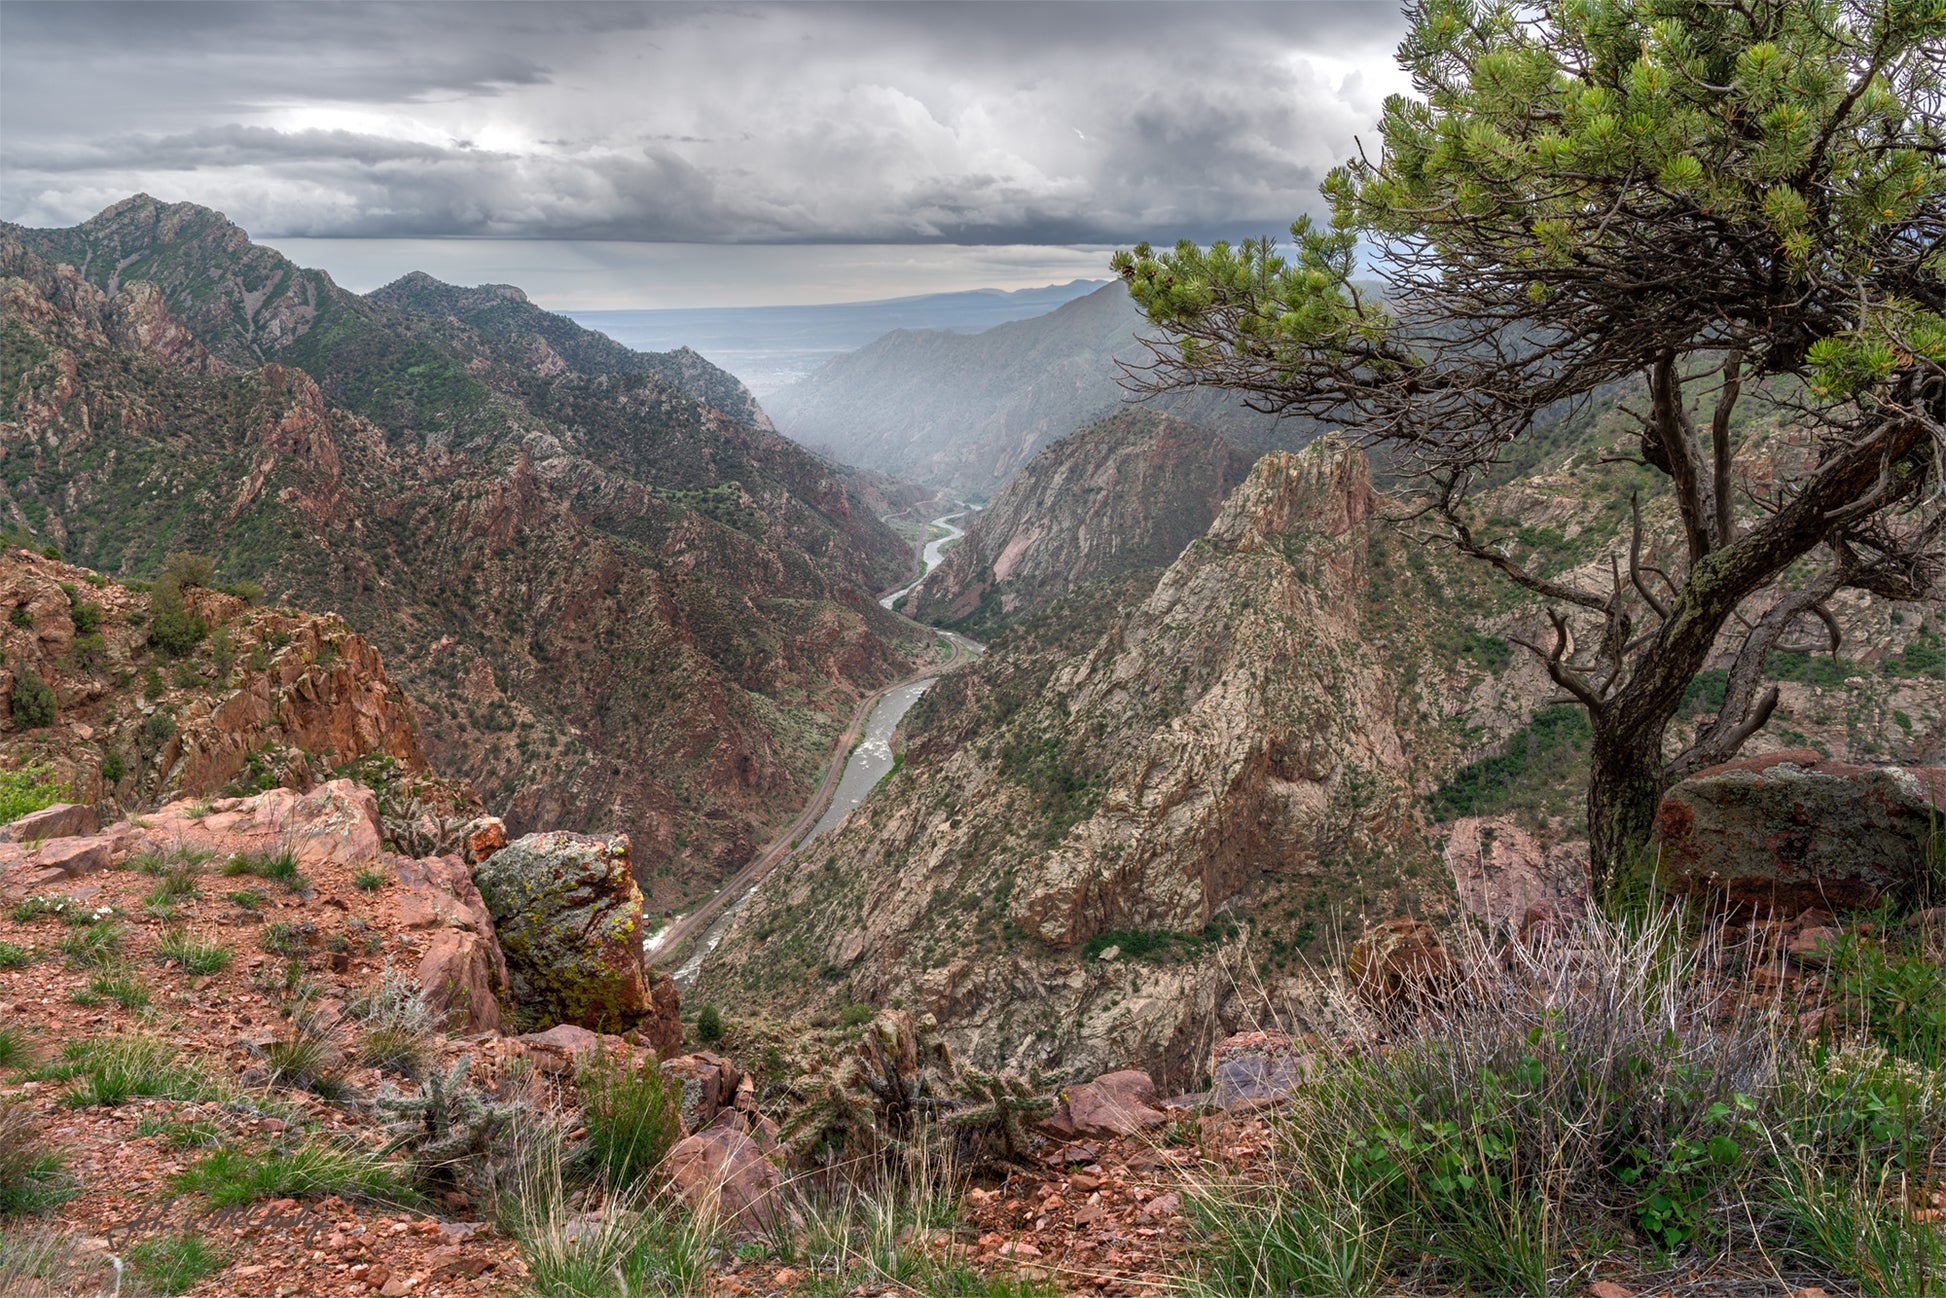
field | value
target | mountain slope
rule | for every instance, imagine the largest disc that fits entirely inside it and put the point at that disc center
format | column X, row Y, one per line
column 616, row 605
column 1121, row 495
column 966, row 411
column 1132, row 768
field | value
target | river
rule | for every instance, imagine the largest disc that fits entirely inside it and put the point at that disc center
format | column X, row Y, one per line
column 870, row 760
column 929, row 559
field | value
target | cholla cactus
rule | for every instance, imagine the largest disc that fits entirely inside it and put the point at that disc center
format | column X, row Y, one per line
column 455, row 1133
column 873, row 1101
column 999, row 1109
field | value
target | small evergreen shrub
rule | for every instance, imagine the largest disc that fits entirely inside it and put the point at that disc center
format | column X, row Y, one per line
column 33, row 701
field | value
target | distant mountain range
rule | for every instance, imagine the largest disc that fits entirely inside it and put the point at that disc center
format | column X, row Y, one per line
column 771, row 347
column 965, row 411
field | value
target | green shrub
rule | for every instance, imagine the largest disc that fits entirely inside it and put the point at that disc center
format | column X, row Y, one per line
column 28, row 788
column 94, row 947
column 222, row 655
column 278, row 867
column 160, row 727
column 1896, row 997
column 124, row 989
column 16, row 1050
column 173, row 628
column 13, row 956
column 230, row 1178
column 633, row 1116
column 113, row 768
column 289, row 937
column 33, row 702
column 171, row 1264
column 113, row 1070
column 87, row 618
column 709, row 1024
column 852, row 1016
column 371, row 880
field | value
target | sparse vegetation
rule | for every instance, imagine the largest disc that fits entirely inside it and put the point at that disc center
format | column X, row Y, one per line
column 172, row 1264
column 633, row 1117
column 197, row 957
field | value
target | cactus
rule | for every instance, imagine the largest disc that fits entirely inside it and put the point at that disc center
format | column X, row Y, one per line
column 872, row 1102
column 999, row 1111
column 453, row 1133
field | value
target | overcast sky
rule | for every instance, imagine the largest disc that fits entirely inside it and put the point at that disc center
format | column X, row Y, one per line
column 948, row 145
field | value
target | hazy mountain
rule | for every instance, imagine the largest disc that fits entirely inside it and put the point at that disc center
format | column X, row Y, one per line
column 771, row 347
column 966, row 411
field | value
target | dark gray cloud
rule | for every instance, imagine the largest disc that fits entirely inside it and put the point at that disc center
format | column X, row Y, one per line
column 972, row 123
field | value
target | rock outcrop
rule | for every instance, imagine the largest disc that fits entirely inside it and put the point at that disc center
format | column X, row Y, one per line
column 1784, row 831
column 266, row 694
column 1120, row 496
column 568, row 915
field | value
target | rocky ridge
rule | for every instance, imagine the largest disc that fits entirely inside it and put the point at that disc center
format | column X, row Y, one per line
column 1125, row 494
column 964, row 412
column 276, row 696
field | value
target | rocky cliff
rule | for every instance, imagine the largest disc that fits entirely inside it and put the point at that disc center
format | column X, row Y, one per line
column 965, row 411
column 1090, row 852
column 273, row 696
column 1122, row 495
column 616, row 606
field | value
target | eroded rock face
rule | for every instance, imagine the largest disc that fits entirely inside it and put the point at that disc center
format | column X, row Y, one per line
column 462, row 974
column 1505, row 878
column 1789, row 830
column 297, row 688
column 724, row 1175
column 568, row 915
column 1226, row 743
column 1125, row 494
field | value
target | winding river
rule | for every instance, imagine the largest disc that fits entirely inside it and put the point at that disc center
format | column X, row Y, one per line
column 869, row 762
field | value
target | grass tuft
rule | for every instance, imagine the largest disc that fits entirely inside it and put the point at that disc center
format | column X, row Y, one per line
column 230, row 1178
column 173, row 1264
column 197, row 957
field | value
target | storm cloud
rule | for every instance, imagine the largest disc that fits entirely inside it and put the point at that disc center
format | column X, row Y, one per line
column 971, row 124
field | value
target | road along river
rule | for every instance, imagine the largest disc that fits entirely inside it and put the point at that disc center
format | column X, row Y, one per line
column 863, row 758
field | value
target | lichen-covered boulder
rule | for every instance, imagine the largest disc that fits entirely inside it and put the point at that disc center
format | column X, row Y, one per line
column 1789, row 830
column 568, row 915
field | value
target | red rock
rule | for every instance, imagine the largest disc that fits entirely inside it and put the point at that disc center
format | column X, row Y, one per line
column 1608, row 1289
column 1114, row 1104
column 456, row 980
column 1398, row 962
column 482, row 838
column 61, row 820
column 723, row 1174
column 75, row 857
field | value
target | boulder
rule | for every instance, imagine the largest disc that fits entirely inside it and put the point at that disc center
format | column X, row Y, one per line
column 1785, row 831
column 1255, row 1070
column 568, row 916
column 62, row 820
column 722, row 1174
column 1398, row 963
column 75, row 857
column 462, row 975
column 1114, row 1104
